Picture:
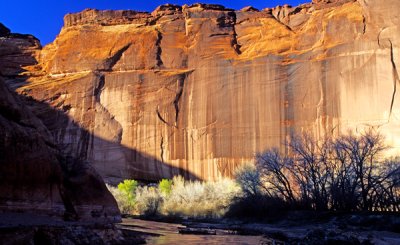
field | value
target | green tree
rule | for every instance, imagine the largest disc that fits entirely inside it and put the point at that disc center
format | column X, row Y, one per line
column 128, row 188
column 165, row 186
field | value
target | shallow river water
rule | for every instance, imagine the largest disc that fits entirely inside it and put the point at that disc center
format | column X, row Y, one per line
column 168, row 234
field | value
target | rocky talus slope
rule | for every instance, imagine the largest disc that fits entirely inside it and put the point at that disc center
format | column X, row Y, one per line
column 198, row 90
column 35, row 176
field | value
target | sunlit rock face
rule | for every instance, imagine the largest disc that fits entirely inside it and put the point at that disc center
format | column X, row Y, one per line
column 198, row 90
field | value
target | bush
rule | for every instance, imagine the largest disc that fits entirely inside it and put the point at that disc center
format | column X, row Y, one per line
column 128, row 187
column 125, row 205
column 255, row 203
column 200, row 199
column 148, row 201
column 125, row 195
column 248, row 178
column 165, row 186
column 257, row 207
column 177, row 198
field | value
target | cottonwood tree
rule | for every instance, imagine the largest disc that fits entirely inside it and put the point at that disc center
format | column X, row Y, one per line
column 363, row 154
column 346, row 173
column 248, row 178
column 311, row 169
column 273, row 168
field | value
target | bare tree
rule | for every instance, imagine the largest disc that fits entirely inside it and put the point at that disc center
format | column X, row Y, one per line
column 386, row 189
column 273, row 169
column 342, row 182
column 311, row 169
column 363, row 153
column 346, row 173
column 249, row 179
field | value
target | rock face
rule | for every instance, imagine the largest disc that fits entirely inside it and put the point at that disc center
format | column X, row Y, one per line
column 16, row 52
column 35, row 177
column 4, row 31
column 198, row 90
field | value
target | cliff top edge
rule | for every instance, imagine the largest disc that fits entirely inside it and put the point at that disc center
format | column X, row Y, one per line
column 115, row 17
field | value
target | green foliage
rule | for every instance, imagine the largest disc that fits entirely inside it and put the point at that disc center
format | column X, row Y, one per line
column 125, row 195
column 177, row 197
column 125, row 205
column 128, row 187
column 165, row 186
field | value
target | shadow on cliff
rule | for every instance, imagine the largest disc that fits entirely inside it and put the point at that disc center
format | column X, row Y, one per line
column 36, row 178
column 134, row 164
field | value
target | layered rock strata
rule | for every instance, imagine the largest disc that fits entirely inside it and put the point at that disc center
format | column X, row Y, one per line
column 198, row 90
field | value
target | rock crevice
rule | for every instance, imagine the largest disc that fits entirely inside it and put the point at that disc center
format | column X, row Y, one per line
column 395, row 79
column 180, row 85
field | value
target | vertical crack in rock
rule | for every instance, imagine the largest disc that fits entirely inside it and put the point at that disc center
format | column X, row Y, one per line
column 364, row 25
column 234, row 43
column 394, row 69
column 179, row 92
column 181, row 84
column 160, row 117
column 85, row 138
column 160, row 63
column 111, row 61
column 229, row 21
column 99, row 87
column 162, row 149
column 395, row 78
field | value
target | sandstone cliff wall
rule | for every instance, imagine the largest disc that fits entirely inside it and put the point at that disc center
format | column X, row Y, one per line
column 35, row 176
column 198, row 90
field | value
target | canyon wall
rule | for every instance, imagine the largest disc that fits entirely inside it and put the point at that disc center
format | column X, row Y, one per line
column 35, row 176
column 198, row 90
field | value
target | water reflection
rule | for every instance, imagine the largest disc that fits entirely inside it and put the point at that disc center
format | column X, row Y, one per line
column 169, row 234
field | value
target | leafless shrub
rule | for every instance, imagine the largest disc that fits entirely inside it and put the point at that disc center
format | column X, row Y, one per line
column 248, row 179
column 346, row 173
column 273, row 169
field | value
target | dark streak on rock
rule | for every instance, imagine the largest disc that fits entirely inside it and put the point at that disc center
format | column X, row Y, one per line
column 395, row 78
column 181, row 84
column 234, row 42
column 219, row 34
column 99, row 88
column 111, row 61
column 160, row 63
column 162, row 149
column 161, row 118
column 364, row 25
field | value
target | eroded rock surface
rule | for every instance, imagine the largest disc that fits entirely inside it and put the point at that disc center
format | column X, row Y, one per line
column 198, row 90
column 35, row 176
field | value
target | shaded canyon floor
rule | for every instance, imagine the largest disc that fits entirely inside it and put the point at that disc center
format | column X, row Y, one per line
column 302, row 228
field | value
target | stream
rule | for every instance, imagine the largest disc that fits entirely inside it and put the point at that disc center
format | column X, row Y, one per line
column 167, row 233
